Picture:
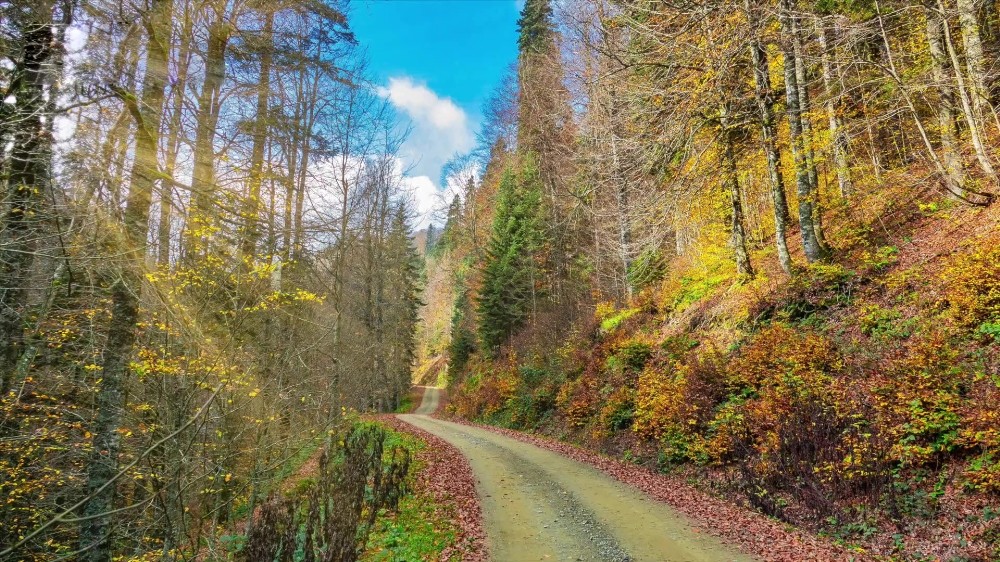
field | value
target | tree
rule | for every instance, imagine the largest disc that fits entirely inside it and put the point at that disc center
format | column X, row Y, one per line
column 535, row 29
column 25, row 125
column 95, row 533
column 804, row 165
column 511, row 275
column 765, row 105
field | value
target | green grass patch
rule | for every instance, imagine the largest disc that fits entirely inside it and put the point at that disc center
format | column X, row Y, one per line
column 612, row 322
column 405, row 405
column 419, row 530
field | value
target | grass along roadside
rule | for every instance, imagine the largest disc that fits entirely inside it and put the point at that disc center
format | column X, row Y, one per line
column 421, row 528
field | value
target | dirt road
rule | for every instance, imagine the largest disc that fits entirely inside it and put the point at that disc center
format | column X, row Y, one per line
column 539, row 505
column 429, row 403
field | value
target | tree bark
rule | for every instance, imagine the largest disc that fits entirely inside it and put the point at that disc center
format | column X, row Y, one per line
column 28, row 170
column 975, row 64
column 621, row 206
column 251, row 207
column 805, row 107
column 97, row 529
column 173, row 141
column 202, row 209
column 810, row 243
column 971, row 120
column 765, row 104
column 731, row 180
column 839, row 141
column 954, row 171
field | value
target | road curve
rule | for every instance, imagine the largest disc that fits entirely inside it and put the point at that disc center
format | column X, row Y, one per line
column 540, row 505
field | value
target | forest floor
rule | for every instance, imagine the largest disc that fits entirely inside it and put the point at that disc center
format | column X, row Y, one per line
column 543, row 503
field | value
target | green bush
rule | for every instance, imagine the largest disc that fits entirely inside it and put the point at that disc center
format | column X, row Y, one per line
column 647, row 269
column 611, row 323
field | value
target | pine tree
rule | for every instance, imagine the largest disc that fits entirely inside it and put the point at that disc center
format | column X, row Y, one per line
column 510, row 273
column 402, row 304
column 452, row 225
column 429, row 242
column 463, row 340
column 535, row 27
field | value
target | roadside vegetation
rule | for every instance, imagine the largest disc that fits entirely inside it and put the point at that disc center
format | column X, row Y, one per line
column 698, row 244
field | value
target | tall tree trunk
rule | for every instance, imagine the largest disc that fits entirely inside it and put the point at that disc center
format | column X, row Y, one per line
column 96, row 529
column 838, row 136
column 300, row 197
column 251, row 208
column 968, row 20
column 952, row 160
column 309, row 95
column 805, row 109
column 28, row 170
column 971, row 120
column 621, row 206
column 731, row 179
column 765, row 104
column 803, row 186
column 174, row 129
column 293, row 151
column 202, row 209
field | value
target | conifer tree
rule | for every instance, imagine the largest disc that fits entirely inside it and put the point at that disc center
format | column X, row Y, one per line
column 511, row 274
column 403, row 301
column 535, row 27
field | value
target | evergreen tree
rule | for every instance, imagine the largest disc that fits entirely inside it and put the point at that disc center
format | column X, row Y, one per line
column 510, row 273
column 403, row 302
column 463, row 340
column 535, row 27
column 432, row 236
column 452, row 224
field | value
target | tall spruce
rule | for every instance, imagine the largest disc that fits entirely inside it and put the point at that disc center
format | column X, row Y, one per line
column 535, row 27
column 511, row 275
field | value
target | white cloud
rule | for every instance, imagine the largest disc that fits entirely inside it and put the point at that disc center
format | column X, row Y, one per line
column 440, row 129
column 427, row 199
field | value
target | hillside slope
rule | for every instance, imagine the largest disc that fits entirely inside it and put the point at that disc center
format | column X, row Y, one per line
column 857, row 399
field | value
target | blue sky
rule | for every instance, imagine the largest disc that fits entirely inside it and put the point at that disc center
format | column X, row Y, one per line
column 436, row 61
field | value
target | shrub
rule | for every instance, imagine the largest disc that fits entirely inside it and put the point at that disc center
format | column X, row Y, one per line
column 782, row 356
column 678, row 446
column 882, row 323
column 881, row 259
column 990, row 330
column 980, row 432
column 919, row 398
column 679, row 396
column 629, row 358
column 618, row 410
column 333, row 517
column 814, row 289
column 650, row 267
column 799, row 429
column 576, row 401
column 972, row 282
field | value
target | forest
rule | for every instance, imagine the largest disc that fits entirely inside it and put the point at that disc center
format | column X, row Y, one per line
column 752, row 245
column 205, row 260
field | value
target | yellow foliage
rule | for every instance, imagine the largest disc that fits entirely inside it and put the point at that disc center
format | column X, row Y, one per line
column 972, row 281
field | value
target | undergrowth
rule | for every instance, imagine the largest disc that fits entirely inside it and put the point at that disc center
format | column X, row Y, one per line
column 857, row 398
column 418, row 529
